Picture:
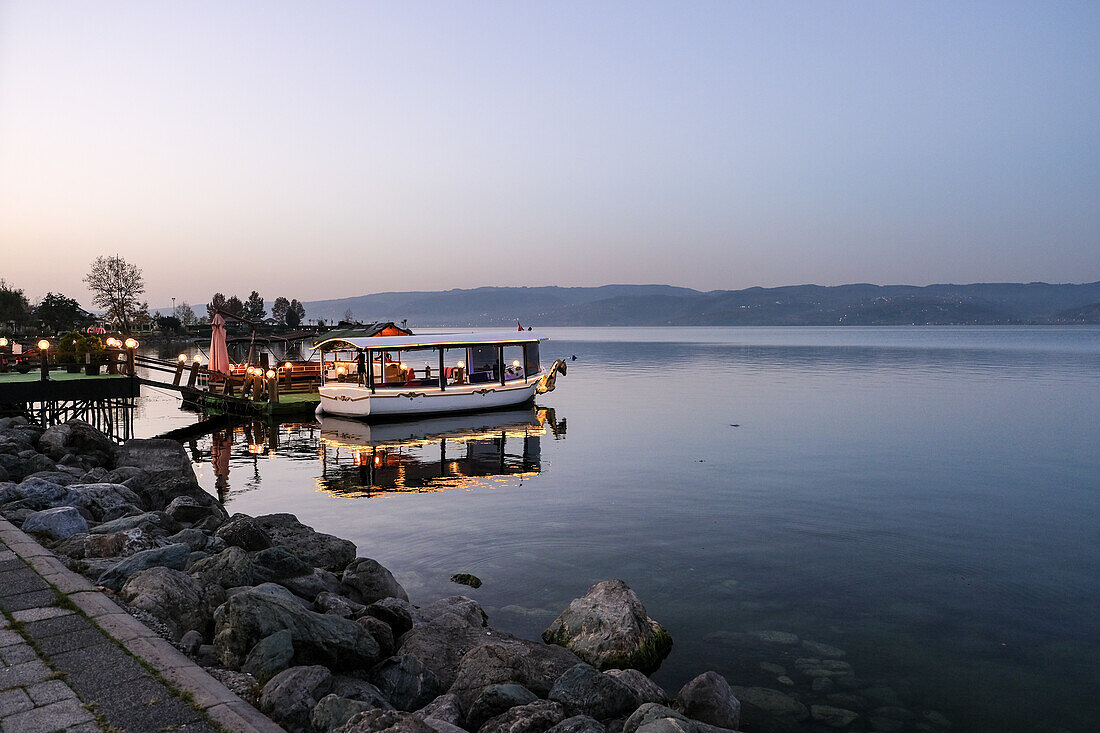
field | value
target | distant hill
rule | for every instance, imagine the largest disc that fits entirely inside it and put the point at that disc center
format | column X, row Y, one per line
column 664, row 305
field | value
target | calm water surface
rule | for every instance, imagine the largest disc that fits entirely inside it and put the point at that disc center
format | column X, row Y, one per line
column 925, row 499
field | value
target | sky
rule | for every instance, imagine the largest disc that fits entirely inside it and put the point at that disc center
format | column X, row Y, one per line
column 330, row 149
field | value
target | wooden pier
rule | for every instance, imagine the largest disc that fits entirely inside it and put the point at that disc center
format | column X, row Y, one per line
column 56, row 395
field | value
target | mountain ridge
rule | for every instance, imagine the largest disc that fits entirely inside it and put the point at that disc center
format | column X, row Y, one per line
column 863, row 304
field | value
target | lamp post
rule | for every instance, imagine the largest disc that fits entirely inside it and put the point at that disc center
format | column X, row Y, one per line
column 131, row 345
column 44, row 351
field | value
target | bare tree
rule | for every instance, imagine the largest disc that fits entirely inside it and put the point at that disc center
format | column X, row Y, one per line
column 186, row 315
column 349, row 316
column 116, row 285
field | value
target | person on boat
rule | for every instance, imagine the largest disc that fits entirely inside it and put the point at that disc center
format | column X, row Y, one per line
column 361, row 369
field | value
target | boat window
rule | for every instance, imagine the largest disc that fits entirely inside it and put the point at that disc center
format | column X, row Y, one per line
column 513, row 363
column 531, row 358
column 483, row 364
column 454, row 366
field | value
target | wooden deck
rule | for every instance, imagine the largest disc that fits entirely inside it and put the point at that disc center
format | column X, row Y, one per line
column 16, row 388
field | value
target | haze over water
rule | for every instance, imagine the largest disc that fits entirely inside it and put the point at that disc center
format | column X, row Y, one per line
column 921, row 498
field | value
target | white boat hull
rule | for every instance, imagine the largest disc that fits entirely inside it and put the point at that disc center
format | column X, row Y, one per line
column 351, row 400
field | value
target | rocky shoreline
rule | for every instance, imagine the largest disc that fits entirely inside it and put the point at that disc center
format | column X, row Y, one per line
column 324, row 639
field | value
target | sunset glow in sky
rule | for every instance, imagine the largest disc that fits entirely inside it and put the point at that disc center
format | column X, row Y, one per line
column 332, row 149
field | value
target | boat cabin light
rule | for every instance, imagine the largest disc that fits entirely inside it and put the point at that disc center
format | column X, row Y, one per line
column 270, row 374
column 182, row 358
column 197, row 358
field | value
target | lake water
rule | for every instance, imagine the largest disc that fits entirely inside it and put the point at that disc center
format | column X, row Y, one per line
column 924, row 499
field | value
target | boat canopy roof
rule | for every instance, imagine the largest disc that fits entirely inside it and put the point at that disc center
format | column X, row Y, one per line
column 429, row 340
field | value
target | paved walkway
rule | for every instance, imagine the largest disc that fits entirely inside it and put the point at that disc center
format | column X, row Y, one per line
column 74, row 661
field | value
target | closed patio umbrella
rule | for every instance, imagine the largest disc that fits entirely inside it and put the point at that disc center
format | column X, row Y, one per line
column 219, row 353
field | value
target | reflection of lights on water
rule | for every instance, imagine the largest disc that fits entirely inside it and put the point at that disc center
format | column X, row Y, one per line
column 254, row 448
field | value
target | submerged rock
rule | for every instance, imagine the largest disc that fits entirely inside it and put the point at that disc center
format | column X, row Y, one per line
column 771, row 702
column 466, row 579
column 608, row 627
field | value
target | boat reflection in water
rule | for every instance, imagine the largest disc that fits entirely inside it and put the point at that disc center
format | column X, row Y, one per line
column 464, row 451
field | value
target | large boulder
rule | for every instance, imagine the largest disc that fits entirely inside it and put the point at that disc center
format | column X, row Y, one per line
column 105, row 501
column 157, row 524
column 248, row 617
column 277, row 563
column 608, row 627
column 334, row 711
column 157, row 457
column 313, row 584
column 646, row 689
column 172, row 556
column 366, row 581
column 445, row 708
column 316, row 548
column 406, row 682
column 79, row 438
column 496, row 699
column 189, row 509
column 230, row 568
column 57, row 523
column 578, row 724
column 39, row 492
column 122, row 544
column 534, row 717
column 708, row 698
column 242, row 531
column 395, row 612
column 651, row 712
column 169, row 596
column 393, row 721
column 270, row 656
column 467, row 609
column 509, row 659
column 584, row 690
column 290, row 695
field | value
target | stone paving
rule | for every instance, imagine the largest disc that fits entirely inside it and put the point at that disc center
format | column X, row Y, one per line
column 71, row 659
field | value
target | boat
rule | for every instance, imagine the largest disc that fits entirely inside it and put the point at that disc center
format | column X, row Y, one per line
column 362, row 459
column 394, row 377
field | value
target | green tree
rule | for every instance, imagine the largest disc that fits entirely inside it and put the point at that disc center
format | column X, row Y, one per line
column 218, row 301
column 14, row 306
column 234, row 306
column 295, row 313
column 169, row 324
column 254, row 307
column 116, row 285
column 279, row 309
column 59, row 313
